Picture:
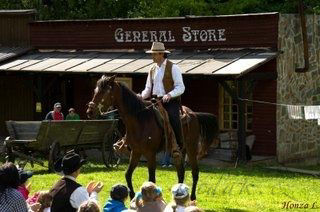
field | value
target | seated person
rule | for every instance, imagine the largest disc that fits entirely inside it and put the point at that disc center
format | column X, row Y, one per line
column 89, row 206
column 24, row 187
column 119, row 193
column 181, row 198
column 193, row 209
column 67, row 194
column 56, row 113
column 10, row 198
column 149, row 199
column 72, row 115
column 42, row 197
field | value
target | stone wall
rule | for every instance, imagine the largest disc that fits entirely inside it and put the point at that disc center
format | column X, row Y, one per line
column 298, row 140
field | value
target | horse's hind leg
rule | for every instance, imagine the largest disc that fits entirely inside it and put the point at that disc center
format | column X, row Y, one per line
column 133, row 163
column 195, row 174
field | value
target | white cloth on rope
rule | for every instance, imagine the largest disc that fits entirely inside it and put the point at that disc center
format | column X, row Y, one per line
column 312, row 112
column 318, row 121
column 295, row 111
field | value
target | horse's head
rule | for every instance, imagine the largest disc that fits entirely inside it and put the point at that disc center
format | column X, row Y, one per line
column 103, row 94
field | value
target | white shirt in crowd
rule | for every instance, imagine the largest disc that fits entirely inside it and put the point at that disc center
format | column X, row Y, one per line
column 170, row 209
column 80, row 195
column 158, row 88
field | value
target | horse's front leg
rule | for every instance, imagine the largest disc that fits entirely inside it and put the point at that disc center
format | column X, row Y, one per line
column 179, row 164
column 133, row 163
column 152, row 167
column 195, row 172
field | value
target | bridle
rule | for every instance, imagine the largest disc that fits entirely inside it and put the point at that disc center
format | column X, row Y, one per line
column 92, row 106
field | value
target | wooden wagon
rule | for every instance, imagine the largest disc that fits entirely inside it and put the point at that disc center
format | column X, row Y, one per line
column 30, row 139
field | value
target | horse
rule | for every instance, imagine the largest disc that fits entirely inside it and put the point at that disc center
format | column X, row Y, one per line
column 143, row 133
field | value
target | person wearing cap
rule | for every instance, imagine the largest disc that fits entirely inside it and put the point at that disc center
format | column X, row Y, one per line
column 67, row 194
column 24, row 187
column 72, row 115
column 165, row 82
column 56, row 113
column 180, row 198
column 118, row 195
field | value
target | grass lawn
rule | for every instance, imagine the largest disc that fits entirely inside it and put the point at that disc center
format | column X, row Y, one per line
column 250, row 188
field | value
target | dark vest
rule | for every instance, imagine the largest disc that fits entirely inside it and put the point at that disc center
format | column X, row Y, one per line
column 167, row 80
column 61, row 193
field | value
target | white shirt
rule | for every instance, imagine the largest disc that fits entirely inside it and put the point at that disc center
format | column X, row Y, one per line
column 178, row 209
column 158, row 88
column 80, row 195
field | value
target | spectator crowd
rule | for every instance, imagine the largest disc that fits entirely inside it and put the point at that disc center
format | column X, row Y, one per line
column 67, row 195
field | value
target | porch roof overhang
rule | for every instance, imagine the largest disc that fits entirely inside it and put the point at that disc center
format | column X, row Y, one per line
column 215, row 62
column 7, row 53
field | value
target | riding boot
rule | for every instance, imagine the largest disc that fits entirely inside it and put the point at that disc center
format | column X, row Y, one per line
column 172, row 108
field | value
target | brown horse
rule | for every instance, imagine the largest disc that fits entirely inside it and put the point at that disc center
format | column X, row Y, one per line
column 145, row 136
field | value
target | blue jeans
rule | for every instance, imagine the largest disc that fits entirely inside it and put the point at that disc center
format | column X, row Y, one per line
column 166, row 159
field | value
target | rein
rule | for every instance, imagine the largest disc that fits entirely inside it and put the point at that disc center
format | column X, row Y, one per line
column 92, row 105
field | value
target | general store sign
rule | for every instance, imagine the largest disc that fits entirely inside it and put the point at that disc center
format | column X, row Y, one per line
column 238, row 31
column 188, row 35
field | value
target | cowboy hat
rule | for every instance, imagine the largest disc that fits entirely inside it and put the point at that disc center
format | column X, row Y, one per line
column 70, row 163
column 157, row 47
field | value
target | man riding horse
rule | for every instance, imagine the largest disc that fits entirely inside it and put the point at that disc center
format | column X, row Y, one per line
column 165, row 83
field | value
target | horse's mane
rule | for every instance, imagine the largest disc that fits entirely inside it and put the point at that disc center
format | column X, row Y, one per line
column 136, row 107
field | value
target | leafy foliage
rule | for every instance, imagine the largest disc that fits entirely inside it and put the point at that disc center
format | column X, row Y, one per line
column 98, row 9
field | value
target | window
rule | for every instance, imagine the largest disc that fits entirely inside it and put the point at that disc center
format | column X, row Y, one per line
column 228, row 110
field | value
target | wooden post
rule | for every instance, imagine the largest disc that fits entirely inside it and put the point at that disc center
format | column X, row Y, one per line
column 241, row 122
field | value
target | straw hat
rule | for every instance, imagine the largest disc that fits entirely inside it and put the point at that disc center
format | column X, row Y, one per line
column 157, row 47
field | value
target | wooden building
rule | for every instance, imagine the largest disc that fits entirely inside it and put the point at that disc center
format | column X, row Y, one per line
column 224, row 60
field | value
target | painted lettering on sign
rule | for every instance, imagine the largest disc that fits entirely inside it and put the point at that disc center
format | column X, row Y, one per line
column 122, row 36
column 188, row 35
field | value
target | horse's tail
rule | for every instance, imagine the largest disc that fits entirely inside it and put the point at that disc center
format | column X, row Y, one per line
column 209, row 131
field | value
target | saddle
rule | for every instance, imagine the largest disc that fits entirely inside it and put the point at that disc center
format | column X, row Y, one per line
column 163, row 122
column 162, row 119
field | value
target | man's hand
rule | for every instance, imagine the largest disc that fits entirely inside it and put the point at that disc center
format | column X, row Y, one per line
column 98, row 187
column 90, row 187
column 166, row 98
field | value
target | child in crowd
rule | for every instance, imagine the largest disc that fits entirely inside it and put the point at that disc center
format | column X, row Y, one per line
column 24, row 188
column 149, row 199
column 42, row 197
column 181, row 198
column 119, row 193
column 193, row 209
column 45, row 199
column 89, row 206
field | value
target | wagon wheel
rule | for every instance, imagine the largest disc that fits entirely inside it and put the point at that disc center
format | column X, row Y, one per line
column 109, row 156
column 54, row 155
